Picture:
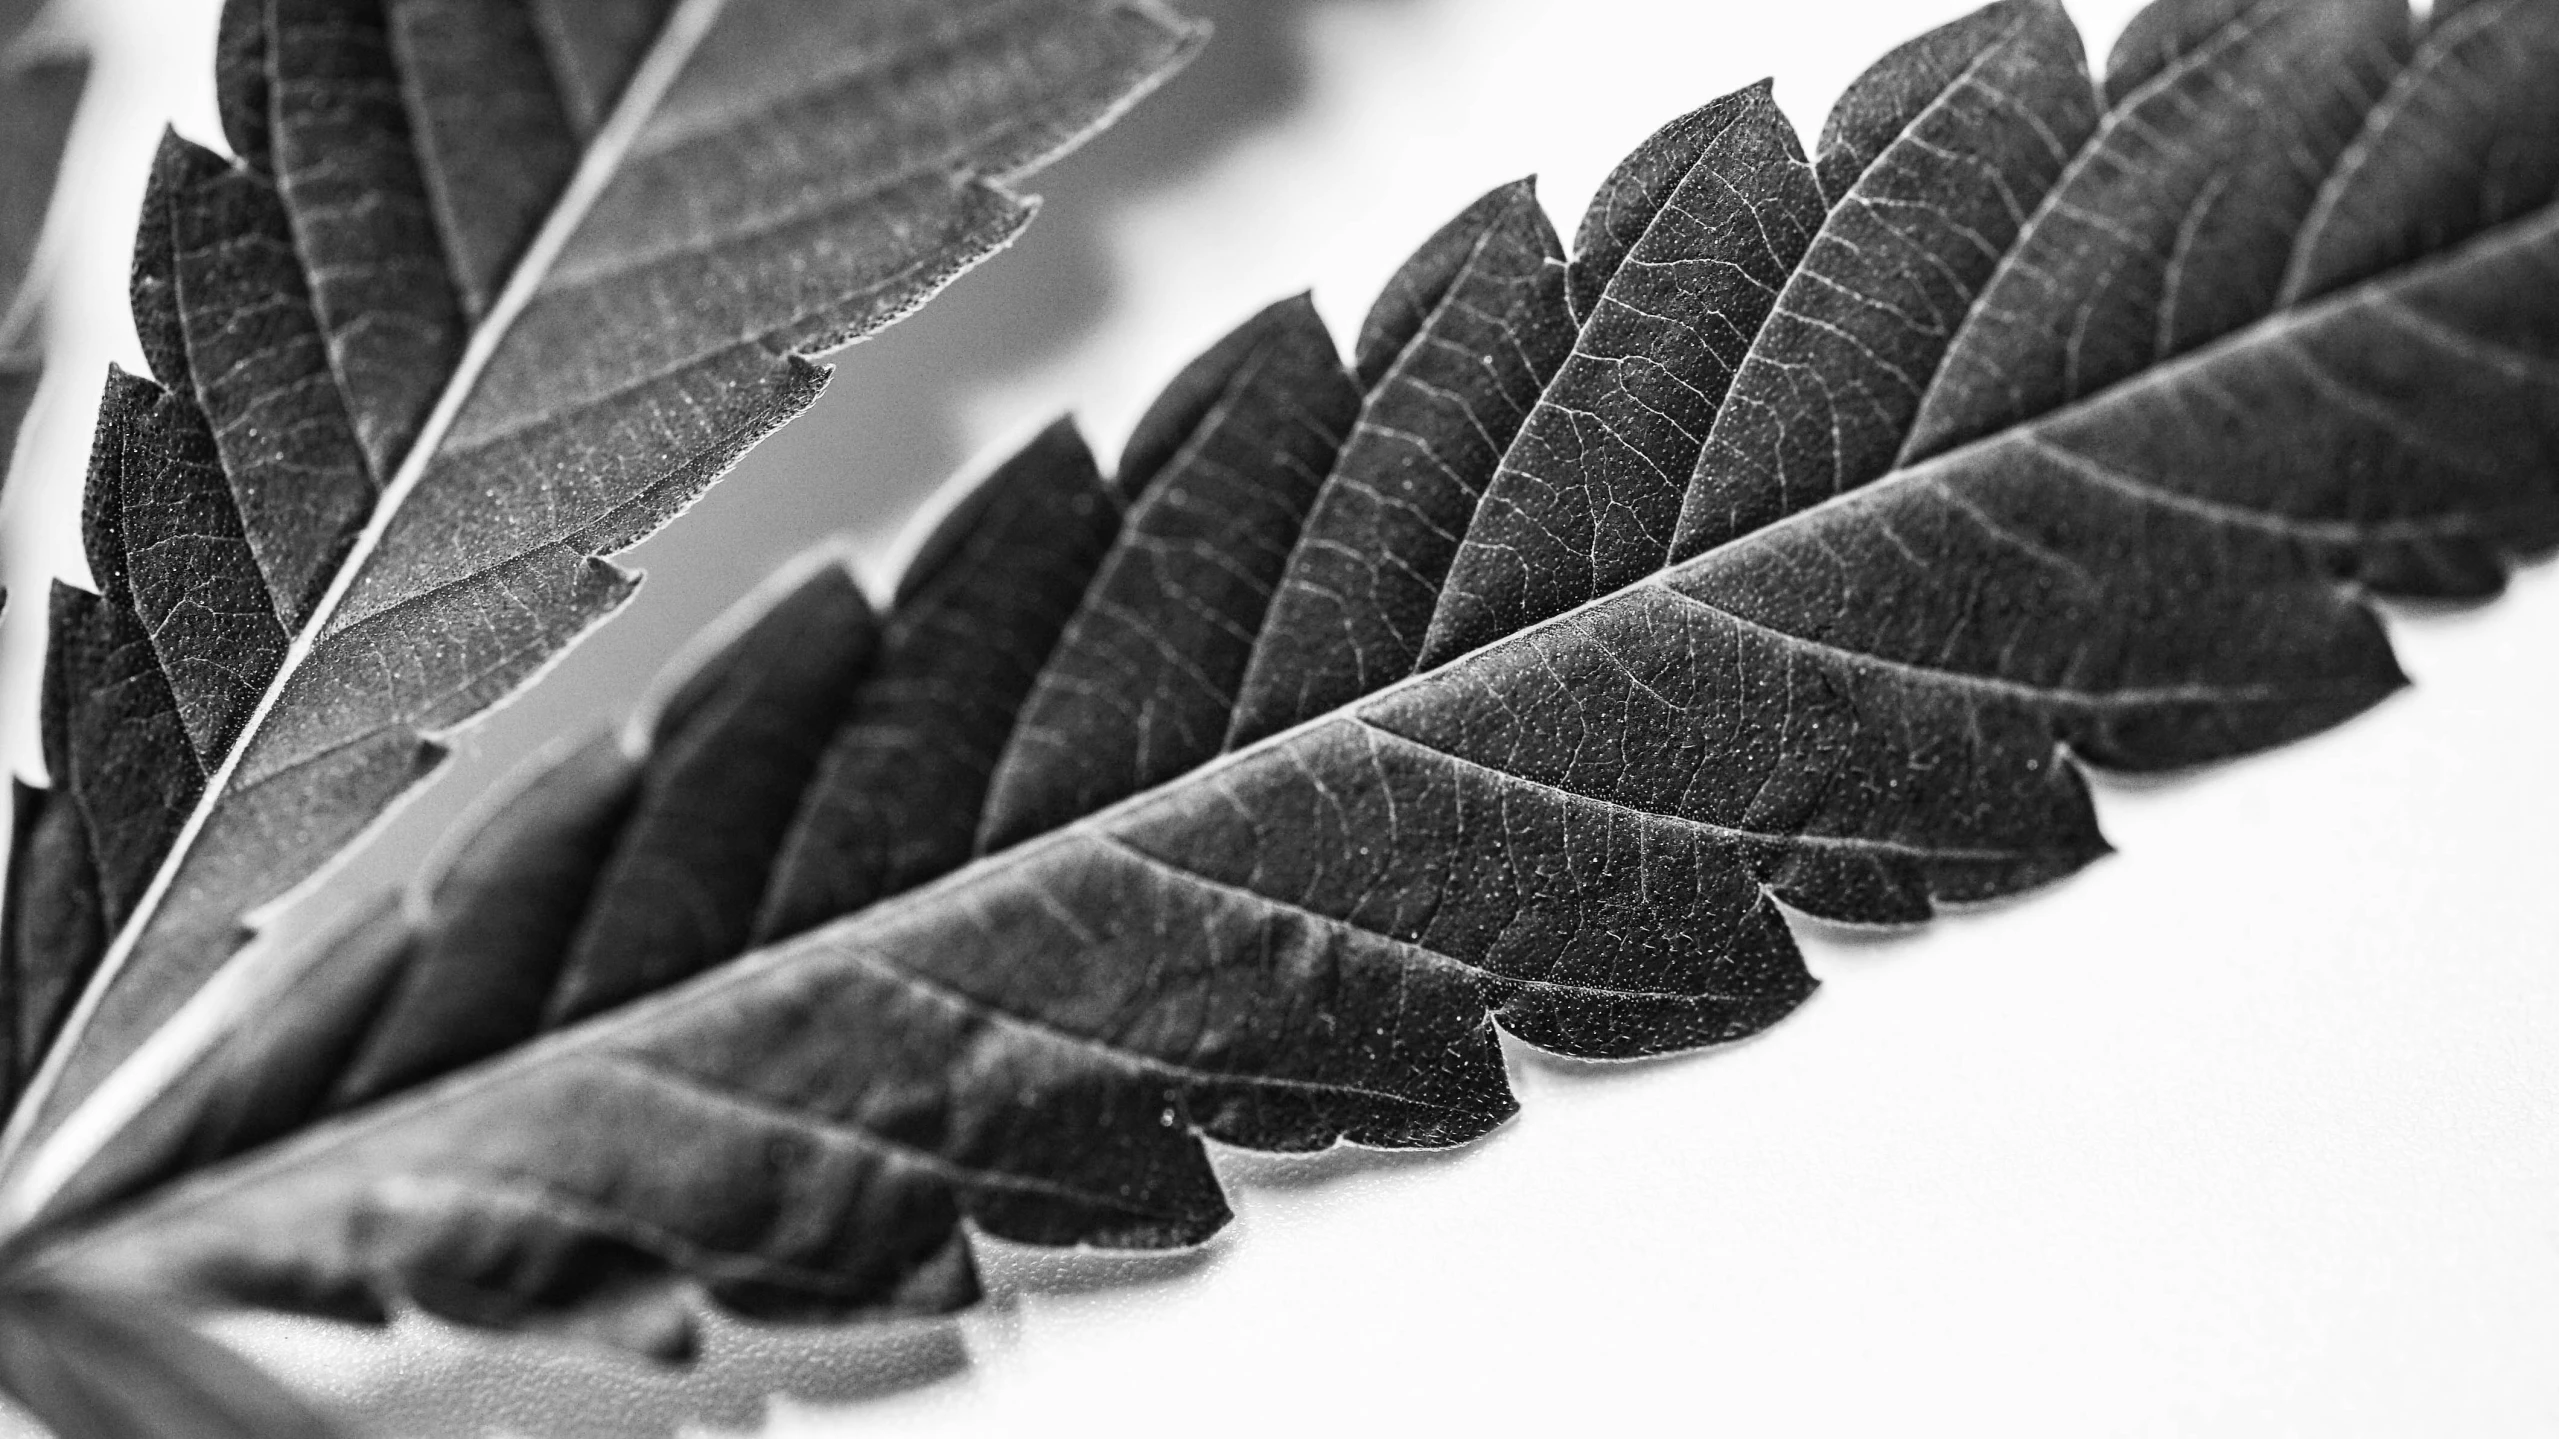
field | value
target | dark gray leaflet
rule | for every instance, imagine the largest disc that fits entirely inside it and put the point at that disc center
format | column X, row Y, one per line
column 1863, row 707
column 1962, row 132
column 165, row 546
column 618, row 395
column 343, row 158
column 111, row 722
column 492, row 131
column 2161, row 35
column 488, row 936
column 730, row 756
column 240, row 89
column 1622, row 210
column 1178, row 411
column 1588, row 493
column 1143, row 682
column 115, row 746
column 1454, row 353
column 1419, row 288
column 219, row 299
column 2467, row 138
column 2175, row 224
column 221, row 303
column 48, row 854
column 1881, row 104
column 896, row 798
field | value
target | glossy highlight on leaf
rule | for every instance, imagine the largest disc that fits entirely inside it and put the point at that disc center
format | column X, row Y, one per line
column 1793, row 545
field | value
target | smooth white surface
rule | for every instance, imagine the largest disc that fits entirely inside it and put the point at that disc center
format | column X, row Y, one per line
column 2252, row 1129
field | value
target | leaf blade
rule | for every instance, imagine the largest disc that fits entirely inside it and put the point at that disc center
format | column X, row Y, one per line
column 1588, row 493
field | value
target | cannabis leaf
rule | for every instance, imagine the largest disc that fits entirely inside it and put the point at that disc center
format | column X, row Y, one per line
column 493, row 290
column 38, row 93
column 1788, row 546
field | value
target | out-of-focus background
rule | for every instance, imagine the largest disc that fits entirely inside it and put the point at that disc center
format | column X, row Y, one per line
column 2253, row 1129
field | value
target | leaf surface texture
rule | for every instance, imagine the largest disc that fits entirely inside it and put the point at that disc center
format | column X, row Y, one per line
column 1791, row 544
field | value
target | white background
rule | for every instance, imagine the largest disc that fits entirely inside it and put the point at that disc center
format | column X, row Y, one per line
column 2253, row 1129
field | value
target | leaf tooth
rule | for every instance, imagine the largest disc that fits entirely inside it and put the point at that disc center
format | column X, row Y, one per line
column 1588, row 495
column 2167, row 34
column 1192, row 399
column 242, row 93
column 2466, row 139
column 244, row 346
column 493, row 931
column 1142, row 685
column 1420, row 287
column 728, row 763
column 1588, row 927
column 2175, row 224
column 348, row 168
column 1948, row 142
column 153, row 288
column 181, row 563
column 897, row 796
column 1895, row 94
column 2372, row 435
column 1628, row 203
column 1455, row 352
column 115, row 744
column 494, row 140
column 49, row 854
